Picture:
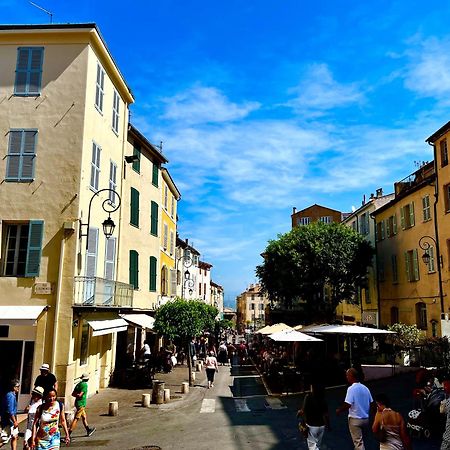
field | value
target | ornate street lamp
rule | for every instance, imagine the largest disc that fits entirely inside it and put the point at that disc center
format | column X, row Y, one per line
column 425, row 245
column 108, row 224
column 188, row 282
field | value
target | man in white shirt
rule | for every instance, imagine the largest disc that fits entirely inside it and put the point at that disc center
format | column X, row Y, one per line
column 358, row 403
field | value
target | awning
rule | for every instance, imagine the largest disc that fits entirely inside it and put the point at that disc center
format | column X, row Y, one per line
column 292, row 336
column 142, row 320
column 107, row 326
column 20, row 315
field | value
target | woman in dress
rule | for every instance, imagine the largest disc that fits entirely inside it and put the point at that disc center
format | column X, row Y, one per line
column 315, row 415
column 36, row 400
column 49, row 416
column 211, row 368
column 397, row 437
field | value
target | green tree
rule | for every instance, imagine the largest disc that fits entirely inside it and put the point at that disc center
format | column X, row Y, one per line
column 185, row 319
column 316, row 265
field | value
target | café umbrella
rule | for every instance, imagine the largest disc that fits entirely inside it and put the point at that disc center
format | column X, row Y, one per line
column 291, row 335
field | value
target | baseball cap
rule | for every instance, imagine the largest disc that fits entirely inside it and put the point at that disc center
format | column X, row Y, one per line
column 44, row 367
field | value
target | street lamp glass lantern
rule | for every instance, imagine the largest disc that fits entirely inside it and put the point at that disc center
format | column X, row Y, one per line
column 426, row 257
column 187, row 275
column 108, row 227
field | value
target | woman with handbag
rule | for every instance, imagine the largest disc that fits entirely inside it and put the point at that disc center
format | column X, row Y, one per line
column 389, row 427
column 314, row 417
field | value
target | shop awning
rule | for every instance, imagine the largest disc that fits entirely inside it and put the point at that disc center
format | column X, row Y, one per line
column 107, row 326
column 20, row 315
column 141, row 320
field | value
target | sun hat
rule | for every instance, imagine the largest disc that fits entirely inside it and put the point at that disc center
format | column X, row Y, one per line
column 44, row 367
column 38, row 390
column 84, row 376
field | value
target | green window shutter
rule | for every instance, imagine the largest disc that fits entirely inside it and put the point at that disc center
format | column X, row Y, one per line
column 134, row 269
column 411, row 214
column 394, row 224
column 416, row 265
column 155, row 175
column 388, row 228
column 21, row 155
column 383, row 234
column 34, row 249
column 154, row 219
column 134, row 207
column 408, row 266
column 402, row 218
column 137, row 163
column 153, row 272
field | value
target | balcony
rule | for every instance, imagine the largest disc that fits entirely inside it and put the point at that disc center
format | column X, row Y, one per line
column 98, row 292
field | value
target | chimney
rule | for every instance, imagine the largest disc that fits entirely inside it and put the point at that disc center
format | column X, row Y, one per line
column 187, row 241
column 372, row 196
column 379, row 192
column 294, row 210
column 364, row 200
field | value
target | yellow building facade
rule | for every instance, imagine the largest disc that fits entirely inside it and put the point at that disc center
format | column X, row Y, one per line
column 64, row 133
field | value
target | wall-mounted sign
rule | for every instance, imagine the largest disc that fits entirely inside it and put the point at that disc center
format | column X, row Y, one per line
column 370, row 317
column 42, row 288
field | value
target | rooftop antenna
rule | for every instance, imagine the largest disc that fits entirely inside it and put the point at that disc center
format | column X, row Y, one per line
column 42, row 9
column 160, row 146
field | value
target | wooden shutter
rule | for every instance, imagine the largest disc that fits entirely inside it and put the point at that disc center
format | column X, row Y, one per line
column 134, row 269
column 153, row 273
column 402, row 217
column 394, row 224
column 20, row 85
column 34, row 249
column 134, row 207
column 28, row 71
column 154, row 218
column 14, row 156
column 35, row 70
column 383, row 235
column 112, row 181
column 91, row 253
column 388, row 228
column 408, row 266
column 171, row 243
column 137, row 162
column 415, row 264
column 173, row 282
column 155, row 174
column 28, row 154
column 411, row 214
column 165, row 237
column 110, row 258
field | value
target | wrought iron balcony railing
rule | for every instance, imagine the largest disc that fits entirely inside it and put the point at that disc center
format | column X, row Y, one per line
column 94, row 291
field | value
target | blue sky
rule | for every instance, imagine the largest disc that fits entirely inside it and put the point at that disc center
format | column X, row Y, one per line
column 263, row 105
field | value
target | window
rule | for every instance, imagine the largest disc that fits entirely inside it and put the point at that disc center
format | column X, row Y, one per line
column 391, row 225
column 95, row 166
column 394, row 315
column 252, row 306
column 426, row 208
column 154, row 218
column 261, row 306
column 112, row 182
column 172, row 206
column 22, row 248
column 380, row 230
column 394, row 269
column 173, row 282
column 115, row 112
column 421, row 315
column 21, row 155
column 407, row 216
column 134, row 269
column 444, row 152
column 364, row 224
column 155, row 174
column 303, row 220
column 29, row 71
column 199, row 288
column 447, row 197
column 137, row 160
column 165, row 236
column 412, row 265
column 134, row 207
column 84, row 345
column 326, row 219
column 204, row 290
column 99, row 88
column 354, row 225
column 110, row 258
column 152, row 278
column 171, row 243
column 165, row 196
column 432, row 261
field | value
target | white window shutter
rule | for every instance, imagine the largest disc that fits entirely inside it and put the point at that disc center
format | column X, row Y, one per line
column 91, row 253
column 110, row 258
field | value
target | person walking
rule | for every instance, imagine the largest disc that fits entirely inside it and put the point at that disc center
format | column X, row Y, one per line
column 46, row 379
column 445, row 409
column 315, row 415
column 49, row 417
column 358, row 402
column 80, row 393
column 211, row 368
column 36, row 400
column 392, row 422
column 222, row 357
column 8, row 412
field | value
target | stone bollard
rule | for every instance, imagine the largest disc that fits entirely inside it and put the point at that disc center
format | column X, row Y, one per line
column 184, row 387
column 158, row 392
column 166, row 395
column 113, row 408
column 198, row 367
column 145, row 400
column 193, row 376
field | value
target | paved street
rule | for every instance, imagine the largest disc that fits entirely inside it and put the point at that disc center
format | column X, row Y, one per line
column 236, row 414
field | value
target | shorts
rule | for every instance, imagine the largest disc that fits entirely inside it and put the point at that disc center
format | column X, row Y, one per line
column 81, row 412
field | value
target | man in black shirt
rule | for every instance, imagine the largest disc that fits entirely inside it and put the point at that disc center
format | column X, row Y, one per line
column 46, row 379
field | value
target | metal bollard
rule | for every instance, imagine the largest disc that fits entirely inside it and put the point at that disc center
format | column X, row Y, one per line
column 113, row 408
column 166, row 395
column 145, row 400
column 158, row 392
column 184, row 387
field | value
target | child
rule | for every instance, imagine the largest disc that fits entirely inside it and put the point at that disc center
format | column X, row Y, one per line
column 36, row 400
column 80, row 394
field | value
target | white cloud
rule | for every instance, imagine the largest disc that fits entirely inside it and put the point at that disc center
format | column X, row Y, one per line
column 205, row 105
column 318, row 92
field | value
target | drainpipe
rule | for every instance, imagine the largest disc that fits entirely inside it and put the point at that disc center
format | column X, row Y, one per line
column 436, row 228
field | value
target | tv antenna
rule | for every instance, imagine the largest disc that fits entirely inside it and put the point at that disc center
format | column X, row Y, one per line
column 42, row 9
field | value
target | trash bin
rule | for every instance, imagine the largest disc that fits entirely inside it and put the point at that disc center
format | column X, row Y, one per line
column 158, row 392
